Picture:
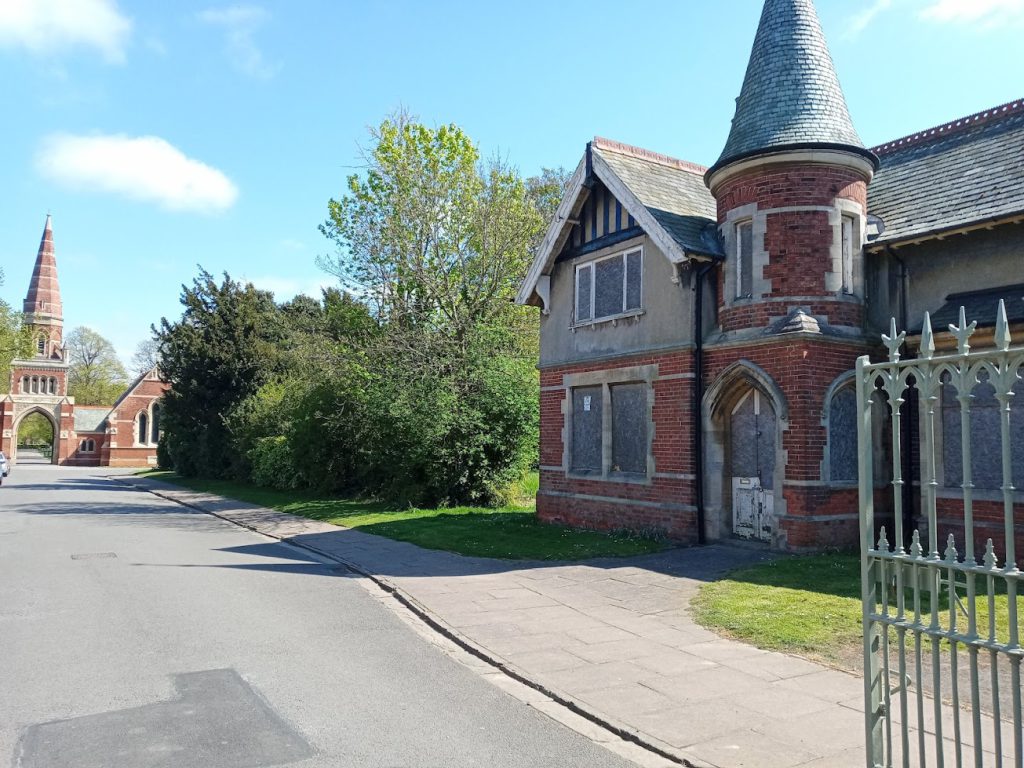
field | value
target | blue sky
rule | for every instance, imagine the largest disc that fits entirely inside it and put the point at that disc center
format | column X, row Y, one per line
column 166, row 135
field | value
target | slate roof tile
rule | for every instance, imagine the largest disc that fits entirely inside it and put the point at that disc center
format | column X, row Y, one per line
column 791, row 95
column 673, row 191
column 958, row 174
column 90, row 419
column 981, row 306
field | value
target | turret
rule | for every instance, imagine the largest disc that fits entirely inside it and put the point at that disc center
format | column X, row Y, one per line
column 791, row 186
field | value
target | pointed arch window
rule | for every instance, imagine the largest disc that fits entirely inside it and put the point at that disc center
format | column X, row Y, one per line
column 143, row 429
column 155, row 430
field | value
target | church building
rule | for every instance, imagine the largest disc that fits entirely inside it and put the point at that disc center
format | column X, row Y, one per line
column 700, row 325
column 122, row 435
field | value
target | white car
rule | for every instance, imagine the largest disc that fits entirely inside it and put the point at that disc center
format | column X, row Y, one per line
column 5, row 467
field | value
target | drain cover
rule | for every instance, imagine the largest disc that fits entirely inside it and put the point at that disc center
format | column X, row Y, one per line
column 93, row 555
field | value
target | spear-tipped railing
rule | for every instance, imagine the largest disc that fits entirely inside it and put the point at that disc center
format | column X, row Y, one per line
column 925, row 607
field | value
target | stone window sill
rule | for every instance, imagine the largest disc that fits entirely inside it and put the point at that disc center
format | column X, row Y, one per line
column 629, row 478
column 613, row 319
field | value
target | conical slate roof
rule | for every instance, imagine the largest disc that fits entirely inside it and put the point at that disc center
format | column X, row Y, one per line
column 791, row 96
column 43, row 298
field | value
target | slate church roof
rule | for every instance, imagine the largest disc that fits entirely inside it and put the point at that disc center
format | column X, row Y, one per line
column 791, row 97
column 90, row 418
column 961, row 173
column 673, row 191
column 981, row 306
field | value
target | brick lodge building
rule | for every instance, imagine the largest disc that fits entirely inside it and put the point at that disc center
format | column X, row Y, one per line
column 699, row 326
column 122, row 435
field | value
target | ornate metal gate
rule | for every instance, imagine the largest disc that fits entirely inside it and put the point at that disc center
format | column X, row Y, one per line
column 942, row 643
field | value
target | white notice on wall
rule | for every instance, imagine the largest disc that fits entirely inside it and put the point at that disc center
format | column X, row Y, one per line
column 586, row 402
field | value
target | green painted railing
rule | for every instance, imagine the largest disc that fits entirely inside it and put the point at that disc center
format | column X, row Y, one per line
column 930, row 609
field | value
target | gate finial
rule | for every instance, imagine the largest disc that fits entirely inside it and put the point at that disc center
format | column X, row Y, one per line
column 927, row 338
column 894, row 341
column 915, row 544
column 990, row 556
column 1002, row 328
column 883, row 541
column 963, row 332
column 951, row 554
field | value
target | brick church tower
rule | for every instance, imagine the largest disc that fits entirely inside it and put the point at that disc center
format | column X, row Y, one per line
column 39, row 384
column 791, row 190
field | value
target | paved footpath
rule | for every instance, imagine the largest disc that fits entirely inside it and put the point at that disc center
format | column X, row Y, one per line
column 612, row 638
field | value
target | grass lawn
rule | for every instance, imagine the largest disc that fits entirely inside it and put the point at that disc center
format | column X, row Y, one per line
column 805, row 605
column 510, row 532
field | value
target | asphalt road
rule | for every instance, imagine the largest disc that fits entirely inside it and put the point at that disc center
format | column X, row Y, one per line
column 137, row 634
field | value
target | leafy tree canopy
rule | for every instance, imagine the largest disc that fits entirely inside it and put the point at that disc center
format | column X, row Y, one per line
column 35, row 430
column 226, row 344
column 96, row 375
column 15, row 338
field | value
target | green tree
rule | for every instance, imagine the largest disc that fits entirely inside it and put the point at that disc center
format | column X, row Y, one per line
column 96, row 375
column 35, row 431
column 437, row 241
column 146, row 356
column 15, row 338
column 223, row 349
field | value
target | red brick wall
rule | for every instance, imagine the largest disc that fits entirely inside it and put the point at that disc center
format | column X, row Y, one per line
column 664, row 504
column 798, row 243
column 78, row 458
column 122, row 450
column 989, row 523
column 803, row 370
column 791, row 185
column 61, row 375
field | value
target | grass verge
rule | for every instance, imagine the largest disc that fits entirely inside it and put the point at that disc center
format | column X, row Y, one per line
column 810, row 606
column 512, row 532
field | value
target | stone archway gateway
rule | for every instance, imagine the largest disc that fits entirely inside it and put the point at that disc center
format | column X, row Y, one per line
column 83, row 435
column 29, row 444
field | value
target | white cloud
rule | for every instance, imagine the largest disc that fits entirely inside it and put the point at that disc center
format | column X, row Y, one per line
column 143, row 168
column 240, row 23
column 860, row 20
column 51, row 26
column 285, row 288
column 987, row 11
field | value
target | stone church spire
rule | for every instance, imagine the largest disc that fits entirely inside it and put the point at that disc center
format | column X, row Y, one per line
column 42, row 303
column 791, row 97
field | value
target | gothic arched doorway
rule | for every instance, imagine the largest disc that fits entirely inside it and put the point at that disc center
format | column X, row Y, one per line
column 752, row 427
column 35, row 439
column 744, row 414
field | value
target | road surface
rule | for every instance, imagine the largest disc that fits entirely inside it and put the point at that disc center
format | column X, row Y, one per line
column 137, row 634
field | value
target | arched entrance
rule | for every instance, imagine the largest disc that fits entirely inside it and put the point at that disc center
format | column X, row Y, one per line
column 35, row 438
column 752, row 466
column 744, row 417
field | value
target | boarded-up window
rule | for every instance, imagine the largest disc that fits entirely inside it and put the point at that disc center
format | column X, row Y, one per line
column 584, row 292
column 634, row 277
column 610, row 286
column 587, row 429
column 847, row 235
column 842, row 436
column 629, row 428
column 744, row 259
column 986, row 438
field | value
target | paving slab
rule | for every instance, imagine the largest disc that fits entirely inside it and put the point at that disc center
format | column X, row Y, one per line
column 613, row 638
